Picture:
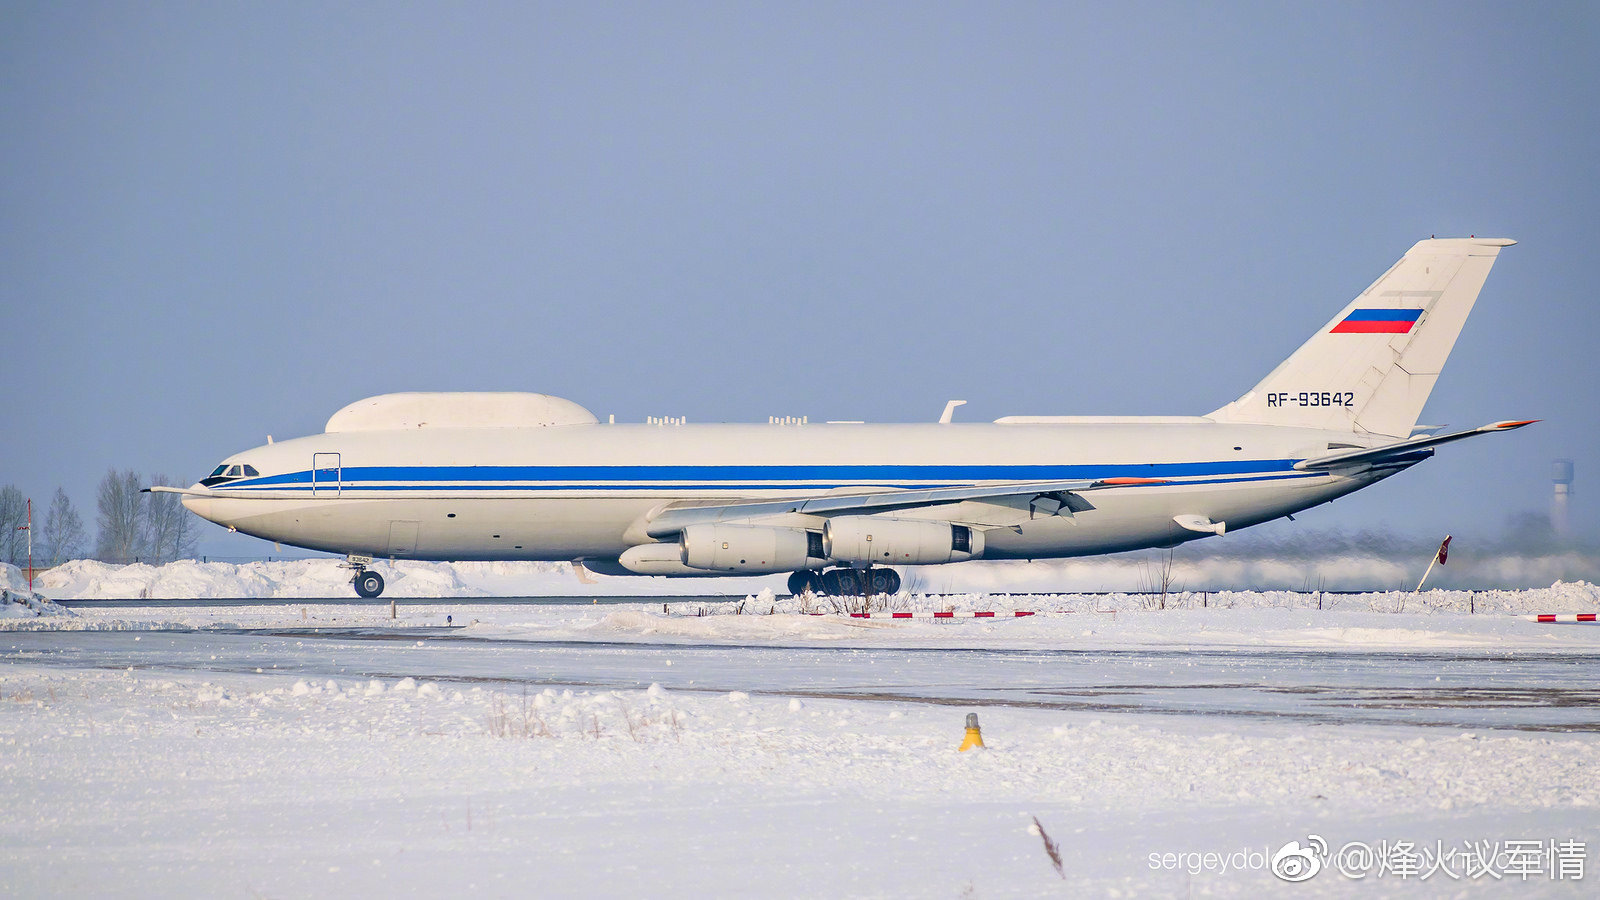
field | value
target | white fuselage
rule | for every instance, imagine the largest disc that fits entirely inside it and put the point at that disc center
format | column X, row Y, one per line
column 513, row 475
column 587, row 491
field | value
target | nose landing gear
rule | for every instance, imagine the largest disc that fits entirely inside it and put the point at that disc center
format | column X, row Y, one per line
column 368, row 583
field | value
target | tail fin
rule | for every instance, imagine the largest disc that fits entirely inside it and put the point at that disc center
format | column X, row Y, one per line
column 1372, row 367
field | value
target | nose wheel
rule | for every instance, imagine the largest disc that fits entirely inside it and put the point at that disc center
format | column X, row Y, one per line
column 368, row 583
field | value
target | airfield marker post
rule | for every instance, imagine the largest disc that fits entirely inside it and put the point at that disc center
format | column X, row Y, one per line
column 29, row 529
column 1438, row 559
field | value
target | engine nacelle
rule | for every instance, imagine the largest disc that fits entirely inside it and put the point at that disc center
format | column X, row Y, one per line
column 649, row 559
column 899, row 542
column 748, row 549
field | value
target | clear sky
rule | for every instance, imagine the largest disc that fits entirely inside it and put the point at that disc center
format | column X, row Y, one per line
column 227, row 220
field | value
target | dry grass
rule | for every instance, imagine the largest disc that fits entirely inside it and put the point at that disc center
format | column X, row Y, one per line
column 1051, row 848
column 523, row 721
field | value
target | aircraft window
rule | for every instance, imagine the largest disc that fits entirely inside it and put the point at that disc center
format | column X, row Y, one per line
column 219, row 470
column 234, row 472
column 250, row 470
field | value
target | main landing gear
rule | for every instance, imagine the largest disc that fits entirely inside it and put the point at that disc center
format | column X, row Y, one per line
column 368, row 583
column 845, row 582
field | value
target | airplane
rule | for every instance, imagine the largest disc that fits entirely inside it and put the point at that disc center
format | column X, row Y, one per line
column 841, row 506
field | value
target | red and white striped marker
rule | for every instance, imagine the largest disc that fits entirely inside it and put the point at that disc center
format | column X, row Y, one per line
column 1562, row 618
column 936, row 615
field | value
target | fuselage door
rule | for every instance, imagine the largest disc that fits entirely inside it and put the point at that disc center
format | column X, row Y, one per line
column 327, row 475
column 402, row 538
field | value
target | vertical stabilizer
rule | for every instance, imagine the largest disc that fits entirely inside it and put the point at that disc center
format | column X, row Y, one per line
column 1371, row 368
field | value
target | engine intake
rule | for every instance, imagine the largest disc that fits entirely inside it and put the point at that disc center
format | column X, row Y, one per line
column 899, row 542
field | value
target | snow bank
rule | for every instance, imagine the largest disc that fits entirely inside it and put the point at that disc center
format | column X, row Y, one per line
column 328, row 578
column 1252, row 569
column 1559, row 597
column 186, row 579
column 962, row 587
column 17, row 602
column 282, row 578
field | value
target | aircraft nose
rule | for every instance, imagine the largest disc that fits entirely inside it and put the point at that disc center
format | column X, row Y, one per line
column 200, row 506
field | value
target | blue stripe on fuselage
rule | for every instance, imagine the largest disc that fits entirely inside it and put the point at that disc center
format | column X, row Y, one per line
column 735, row 477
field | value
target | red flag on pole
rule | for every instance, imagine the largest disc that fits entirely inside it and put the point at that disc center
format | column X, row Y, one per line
column 1444, row 550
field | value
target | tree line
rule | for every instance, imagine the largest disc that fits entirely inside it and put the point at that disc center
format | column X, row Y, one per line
column 130, row 526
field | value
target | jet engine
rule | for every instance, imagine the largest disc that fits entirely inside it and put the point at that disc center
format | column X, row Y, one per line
column 750, row 549
column 899, row 542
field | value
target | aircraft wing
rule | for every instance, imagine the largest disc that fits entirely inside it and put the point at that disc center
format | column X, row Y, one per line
column 1402, row 449
column 674, row 519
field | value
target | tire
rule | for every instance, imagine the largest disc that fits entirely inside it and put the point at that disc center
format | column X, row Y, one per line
column 369, row 584
column 803, row 581
column 828, row 583
column 885, row 581
column 847, row 581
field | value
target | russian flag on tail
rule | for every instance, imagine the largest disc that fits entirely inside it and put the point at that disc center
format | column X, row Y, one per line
column 1378, row 321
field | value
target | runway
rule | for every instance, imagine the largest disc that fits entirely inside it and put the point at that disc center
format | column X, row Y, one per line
column 1522, row 690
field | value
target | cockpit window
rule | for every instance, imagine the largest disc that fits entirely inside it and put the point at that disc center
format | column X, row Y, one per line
column 228, row 472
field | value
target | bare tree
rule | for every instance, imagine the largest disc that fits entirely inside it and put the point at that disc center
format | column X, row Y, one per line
column 169, row 533
column 62, row 535
column 121, row 508
column 13, row 515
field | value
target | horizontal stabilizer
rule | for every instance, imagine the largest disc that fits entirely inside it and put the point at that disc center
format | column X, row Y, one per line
column 1376, row 455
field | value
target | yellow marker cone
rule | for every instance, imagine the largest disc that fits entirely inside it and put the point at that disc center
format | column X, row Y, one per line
column 974, row 734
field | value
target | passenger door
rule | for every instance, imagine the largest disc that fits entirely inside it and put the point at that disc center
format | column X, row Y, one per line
column 327, row 475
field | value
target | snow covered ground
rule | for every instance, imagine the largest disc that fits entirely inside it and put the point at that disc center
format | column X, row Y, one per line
column 326, row 577
column 162, row 784
column 308, row 749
